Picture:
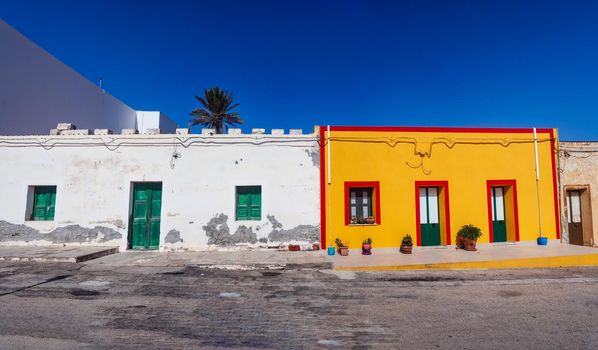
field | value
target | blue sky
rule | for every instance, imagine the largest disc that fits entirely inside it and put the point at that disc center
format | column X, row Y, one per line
column 294, row 64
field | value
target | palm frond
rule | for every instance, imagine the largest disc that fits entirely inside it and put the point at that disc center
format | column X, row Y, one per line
column 216, row 111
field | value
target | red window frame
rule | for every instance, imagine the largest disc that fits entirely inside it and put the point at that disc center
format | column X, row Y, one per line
column 375, row 186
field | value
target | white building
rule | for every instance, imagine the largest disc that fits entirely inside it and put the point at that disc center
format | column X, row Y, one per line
column 160, row 191
column 37, row 92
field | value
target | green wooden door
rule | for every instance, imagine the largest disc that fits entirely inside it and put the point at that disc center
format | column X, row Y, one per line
column 499, row 226
column 429, row 216
column 147, row 204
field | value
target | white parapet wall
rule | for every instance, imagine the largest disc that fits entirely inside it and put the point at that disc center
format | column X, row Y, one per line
column 94, row 177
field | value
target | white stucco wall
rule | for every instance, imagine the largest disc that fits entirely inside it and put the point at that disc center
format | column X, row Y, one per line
column 154, row 120
column 94, row 177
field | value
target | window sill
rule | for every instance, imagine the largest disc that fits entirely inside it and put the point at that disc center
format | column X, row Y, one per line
column 363, row 225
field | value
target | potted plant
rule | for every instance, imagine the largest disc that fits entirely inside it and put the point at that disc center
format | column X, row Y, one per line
column 343, row 249
column 370, row 220
column 468, row 235
column 366, row 247
column 407, row 244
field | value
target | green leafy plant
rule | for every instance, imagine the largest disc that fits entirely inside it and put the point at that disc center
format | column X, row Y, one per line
column 470, row 232
column 340, row 243
column 367, row 241
column 216, row 110
column 407, row 240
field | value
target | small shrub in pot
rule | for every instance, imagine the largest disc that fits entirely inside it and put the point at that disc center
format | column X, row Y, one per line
column 468, row 236
column 407, row 244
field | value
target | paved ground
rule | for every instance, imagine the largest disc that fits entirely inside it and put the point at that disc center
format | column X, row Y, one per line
column 85, row 306
column 56, row 253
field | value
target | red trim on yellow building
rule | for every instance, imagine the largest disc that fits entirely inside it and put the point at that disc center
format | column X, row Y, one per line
column 447, row 212
column 322, row 190
column 513, row 184
column 363, row 184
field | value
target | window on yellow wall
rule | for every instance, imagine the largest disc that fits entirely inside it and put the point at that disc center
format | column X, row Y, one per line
column 362, row 203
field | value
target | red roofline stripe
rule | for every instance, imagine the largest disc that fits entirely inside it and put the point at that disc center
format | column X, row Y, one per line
column 438, row 129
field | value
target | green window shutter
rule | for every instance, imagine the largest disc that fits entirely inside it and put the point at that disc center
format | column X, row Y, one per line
column 256, row 205
column 242, row 205
column 249, row 203
column 44, row 203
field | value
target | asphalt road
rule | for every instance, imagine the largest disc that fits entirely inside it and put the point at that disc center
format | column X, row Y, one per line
column 74, row 306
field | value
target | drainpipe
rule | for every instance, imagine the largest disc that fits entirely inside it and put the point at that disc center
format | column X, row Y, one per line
column 328, row 153
column 329, row 206
column 538, row 182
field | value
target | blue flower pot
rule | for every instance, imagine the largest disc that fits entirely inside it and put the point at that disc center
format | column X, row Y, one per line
column 331, row 251
column 542, row 240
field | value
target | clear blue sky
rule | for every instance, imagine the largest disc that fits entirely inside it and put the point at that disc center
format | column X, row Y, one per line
column 298, row 63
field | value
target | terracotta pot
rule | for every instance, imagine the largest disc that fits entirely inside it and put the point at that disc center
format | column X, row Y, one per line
column 343, row 251
column 406, row 249
column 459, row 242
column 370, row 221
column 469, row 244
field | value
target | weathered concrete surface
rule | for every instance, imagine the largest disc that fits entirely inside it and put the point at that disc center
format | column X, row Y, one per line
column 173, row 236
column 60, row 307
column 64, row 234
column 70, row 254
column 306, row 233
column 232, row 259
column 219, row 234
column 578, row 165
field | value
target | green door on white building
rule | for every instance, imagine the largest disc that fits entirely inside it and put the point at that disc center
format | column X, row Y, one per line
column 147, row 206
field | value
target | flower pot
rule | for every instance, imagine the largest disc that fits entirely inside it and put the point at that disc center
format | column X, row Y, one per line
column 542, row 240
column 343, row 251
column 459, row 242
column 294, row 247
column 469, row 244
column 366, row 249
column 331, row 251
column 406, row 249
column 315, row 246
column 370, row 221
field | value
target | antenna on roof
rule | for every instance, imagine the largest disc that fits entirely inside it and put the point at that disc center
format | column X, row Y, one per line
column 100, row 83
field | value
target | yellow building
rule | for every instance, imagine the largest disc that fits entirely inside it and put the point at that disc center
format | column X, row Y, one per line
column 385, row 182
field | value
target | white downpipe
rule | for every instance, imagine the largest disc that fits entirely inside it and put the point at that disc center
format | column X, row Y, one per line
column 328, row 154
column 328, row 195
column 538, row 182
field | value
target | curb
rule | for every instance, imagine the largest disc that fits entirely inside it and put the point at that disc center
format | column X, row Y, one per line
column 542, row 262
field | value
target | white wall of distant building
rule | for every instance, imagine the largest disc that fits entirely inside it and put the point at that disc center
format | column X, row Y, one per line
column 37, row 91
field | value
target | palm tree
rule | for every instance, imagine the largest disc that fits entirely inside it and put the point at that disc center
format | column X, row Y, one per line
column 216, row 111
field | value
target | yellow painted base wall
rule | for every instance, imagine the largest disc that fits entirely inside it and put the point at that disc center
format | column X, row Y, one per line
column 397, row 159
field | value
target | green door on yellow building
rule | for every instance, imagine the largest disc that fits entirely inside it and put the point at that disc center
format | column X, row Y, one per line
column 429, row 216
column 499, row 227
column 147, row 205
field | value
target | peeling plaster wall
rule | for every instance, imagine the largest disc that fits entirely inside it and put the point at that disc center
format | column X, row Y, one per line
column 94, row 176
column 578, row 165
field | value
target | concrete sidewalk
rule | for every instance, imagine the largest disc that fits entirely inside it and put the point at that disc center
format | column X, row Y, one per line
column 519, row 255
column 73, row 254
column 233, row 259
